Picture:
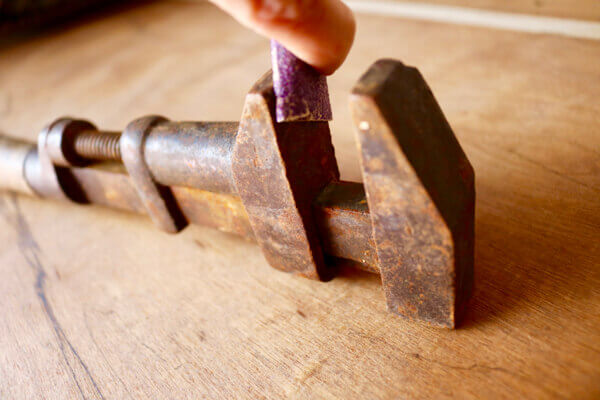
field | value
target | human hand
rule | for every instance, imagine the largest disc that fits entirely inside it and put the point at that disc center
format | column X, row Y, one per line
column 319, row 32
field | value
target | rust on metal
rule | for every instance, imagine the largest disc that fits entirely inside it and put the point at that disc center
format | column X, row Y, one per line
column 158, row 199
column 342, row 215
column 344, row 223
column 198, row 155
column 279, row 169
column 278, row 184
column 420, row 190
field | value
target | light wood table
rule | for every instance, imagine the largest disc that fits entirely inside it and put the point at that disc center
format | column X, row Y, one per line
column 95, row 303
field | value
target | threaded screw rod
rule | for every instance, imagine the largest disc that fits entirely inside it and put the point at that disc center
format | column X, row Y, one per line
column 98, row 145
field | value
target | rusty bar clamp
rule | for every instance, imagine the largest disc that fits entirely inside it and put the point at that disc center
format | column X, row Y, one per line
column 412, row 221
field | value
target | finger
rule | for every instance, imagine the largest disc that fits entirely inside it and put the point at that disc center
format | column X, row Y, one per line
column 320, row 32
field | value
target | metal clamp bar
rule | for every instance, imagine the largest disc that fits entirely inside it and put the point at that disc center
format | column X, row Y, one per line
column 13, row 154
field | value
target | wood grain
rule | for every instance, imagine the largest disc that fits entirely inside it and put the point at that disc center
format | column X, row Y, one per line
column 99, row 304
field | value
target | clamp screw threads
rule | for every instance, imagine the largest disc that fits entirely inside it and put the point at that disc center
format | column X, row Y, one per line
column 98, row 145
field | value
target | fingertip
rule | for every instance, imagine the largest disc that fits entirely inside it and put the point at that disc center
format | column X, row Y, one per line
column 319, row 32
column 328, row 36
column 328, row 62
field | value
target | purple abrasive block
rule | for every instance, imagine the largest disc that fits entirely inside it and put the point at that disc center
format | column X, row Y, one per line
column 300, row 90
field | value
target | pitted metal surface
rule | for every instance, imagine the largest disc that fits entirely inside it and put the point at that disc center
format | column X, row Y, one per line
column 158, row 199
column 420, row 190
column 279, row 169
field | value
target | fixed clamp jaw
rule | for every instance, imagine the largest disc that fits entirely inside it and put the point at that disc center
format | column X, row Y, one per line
column 420, row 188
column 412, row 221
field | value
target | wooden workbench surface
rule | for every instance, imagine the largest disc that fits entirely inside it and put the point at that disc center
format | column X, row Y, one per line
column 95, row 303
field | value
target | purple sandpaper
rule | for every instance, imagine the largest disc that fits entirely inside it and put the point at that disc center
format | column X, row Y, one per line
column 300, row 90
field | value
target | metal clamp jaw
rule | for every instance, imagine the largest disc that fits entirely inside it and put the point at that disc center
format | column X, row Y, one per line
column 412, row 221
column 420, row 188
column 279, row 169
